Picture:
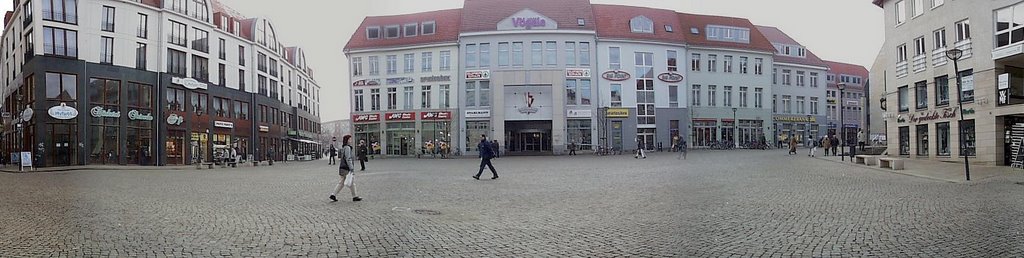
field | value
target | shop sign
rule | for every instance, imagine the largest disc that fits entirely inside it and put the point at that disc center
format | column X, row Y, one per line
column 578, row 113
column 62, row 112
column 366, row 118
column 401, row 80
column 528, row 109
column 367, row 82
column 1004, row 97
column 478, row 75
column 189, row 83
column 436, row 78
column 526, row 20
column 670, row 77
column 577, row 73
column 293, row 133
column 618, row 113
column 436, row 115
column 968, row 111
column 615, row 75
column 404, row 116
column 175, row 119
column 926, row 116
column 264, row 128
column 136, row 115
column 27, row 114
column 478, row 113
column 223, row 124
column 796, row 119
column 101, row 112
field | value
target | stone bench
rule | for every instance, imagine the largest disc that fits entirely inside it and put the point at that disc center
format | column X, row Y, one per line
column 208, row 165
column 894, row 163
column 866, row 160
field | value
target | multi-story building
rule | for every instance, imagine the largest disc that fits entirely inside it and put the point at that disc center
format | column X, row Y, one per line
column 853, row 97
column 640, row 48
column 155, row 82
column 405, row 80
column 798, row 88
column 917, row 81
column 728, row 79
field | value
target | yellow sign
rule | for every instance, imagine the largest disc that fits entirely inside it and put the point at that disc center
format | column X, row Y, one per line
column 618, row 112
column 796, row 119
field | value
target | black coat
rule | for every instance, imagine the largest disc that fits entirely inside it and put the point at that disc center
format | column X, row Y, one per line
column 362, row 152
column 486, row 151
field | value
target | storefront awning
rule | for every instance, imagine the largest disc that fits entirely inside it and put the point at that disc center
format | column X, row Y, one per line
column 304, row 141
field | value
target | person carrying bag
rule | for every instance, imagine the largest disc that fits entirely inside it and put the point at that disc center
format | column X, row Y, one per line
column 345, row 171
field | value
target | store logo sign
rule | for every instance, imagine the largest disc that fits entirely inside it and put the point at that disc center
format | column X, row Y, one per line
column 175, row 119
column 617, row 113
column 436, row 115
column 436, row 78
column 264, row 128
column 526, row 19
column 528, row 109
column 101, row 112
column 223, row 124
column 189, row 83
column 670, row 77
column 478, row 75
column 577, row 73
column 366, row 118
column 478, row 113
column 136, row 115
column 615, row 75
column 401, row 80
column 367, row 82
column 401, row 116
column 63, row 112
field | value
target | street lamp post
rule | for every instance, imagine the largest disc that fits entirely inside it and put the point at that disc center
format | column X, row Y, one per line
column 842, row 122
column 955, row 55
column 735, row 129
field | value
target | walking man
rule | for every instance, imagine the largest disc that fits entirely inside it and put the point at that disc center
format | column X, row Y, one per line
column 345, row 171
column 333, row 152
column 363, row 150
column 681, row 148
column 639, row 149
column 486, row 153
column 572, row 148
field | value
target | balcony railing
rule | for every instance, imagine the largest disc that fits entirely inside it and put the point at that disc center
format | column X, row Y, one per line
column 964, row 46
column 920, row 63
column 939, row 57
column 901, row 69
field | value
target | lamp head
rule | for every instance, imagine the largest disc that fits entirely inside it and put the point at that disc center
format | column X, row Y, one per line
column 954, row 54
column 841, row 86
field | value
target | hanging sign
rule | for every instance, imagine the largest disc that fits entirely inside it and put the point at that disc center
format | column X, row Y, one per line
column 670, row 77
column 63, row 112
column 101, row 112
column 175, row 119
column 615, row 75
column 136, row 115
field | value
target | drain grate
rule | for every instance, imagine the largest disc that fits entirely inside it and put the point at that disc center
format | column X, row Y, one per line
column 427, row 212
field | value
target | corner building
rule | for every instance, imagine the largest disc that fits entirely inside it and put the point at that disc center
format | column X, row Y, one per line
column 798, row 89
column 917, row 83
column 152, row 83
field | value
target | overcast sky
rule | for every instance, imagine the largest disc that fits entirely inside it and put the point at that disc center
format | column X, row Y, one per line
column 838, row 30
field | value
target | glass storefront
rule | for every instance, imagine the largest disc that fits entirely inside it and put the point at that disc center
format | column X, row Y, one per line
column 904, row 140
column 435, row 133
column 968, row 138
column 104, row 97
column 401, row 138
column 139, row 134
column 368, row 132
column 580, row 133
column 474, row 130
column 942, row 133
column 200, row 147
column 705, row 133
column 922, row 140
column 62, row 141
column 751, row 131
column 175, row 147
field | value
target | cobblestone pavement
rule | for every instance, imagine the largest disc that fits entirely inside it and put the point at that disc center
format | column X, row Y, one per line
column 738, row 203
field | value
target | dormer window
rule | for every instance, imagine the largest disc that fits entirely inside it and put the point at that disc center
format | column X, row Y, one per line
column 427, row 28
column 800, row 52
column 411, row 29
column 373, row 32
column 641, row 24
column 581, row 22
column 726, row 33
column 668, row 28
column 694, row 31
column 391, row 31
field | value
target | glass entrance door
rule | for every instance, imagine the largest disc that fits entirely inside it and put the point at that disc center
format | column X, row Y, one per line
column 530, row 141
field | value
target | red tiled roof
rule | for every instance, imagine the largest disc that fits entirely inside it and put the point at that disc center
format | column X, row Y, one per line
column 484, row 15
column 847, row 69
column 446, row 29
column 7, row 18
column 154, row 3
column 613, row 22
column 757, row 40
column 246, row 29
column 775, row 35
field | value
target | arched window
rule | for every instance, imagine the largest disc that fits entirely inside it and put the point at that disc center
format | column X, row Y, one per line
column 261, row 35
column 192, row 8
column 271, row 37
column 641, row 24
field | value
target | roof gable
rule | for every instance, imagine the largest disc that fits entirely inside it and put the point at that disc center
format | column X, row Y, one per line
column 613, row 22
column 483, row 15
column 698, row 23
column 776, row 36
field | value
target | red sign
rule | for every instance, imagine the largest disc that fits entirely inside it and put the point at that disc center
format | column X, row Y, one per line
column 435, row 115
column 406, row 116
column 615, row 75
column 366, row 118
column 670, row 77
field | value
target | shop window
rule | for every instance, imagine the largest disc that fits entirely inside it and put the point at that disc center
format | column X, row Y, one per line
column 967, row 141
column 922, row 140
column 104, row 95
column 942, row 135
column 904, row 140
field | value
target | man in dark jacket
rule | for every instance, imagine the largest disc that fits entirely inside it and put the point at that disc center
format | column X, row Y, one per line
column 486, row 153
column 333, row 152
column 363, row 151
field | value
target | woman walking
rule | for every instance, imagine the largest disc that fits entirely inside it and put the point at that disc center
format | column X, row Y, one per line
column 345, row 170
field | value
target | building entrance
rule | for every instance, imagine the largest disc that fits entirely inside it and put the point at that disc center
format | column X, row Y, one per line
column 1013, row 132
column 528, row 137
